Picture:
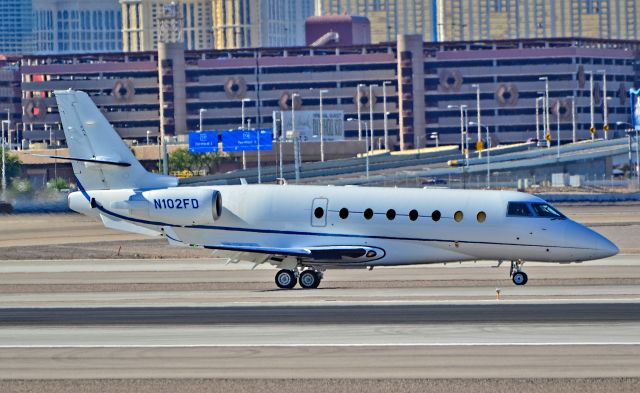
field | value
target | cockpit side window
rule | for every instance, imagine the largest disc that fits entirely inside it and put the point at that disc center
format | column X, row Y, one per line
column 546, row 210
column 518, row 209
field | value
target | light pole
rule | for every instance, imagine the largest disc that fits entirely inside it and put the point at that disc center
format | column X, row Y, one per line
column 477, row 87
column 296, row 148
column 244, row 157
column 4, row 168
column 488, row 152
column 436, row 136
column 592, row 128
column 200, row 112
column 573, row 118
column 637, row 166
column 605, row 109
column 384, row 108
column 462, row 126
column 366, row 141
column 538, row 99
column 545, row 116
column 371, row 113
column 322, row 126
column 359, row 103
column 148, row 132
column 558, row 129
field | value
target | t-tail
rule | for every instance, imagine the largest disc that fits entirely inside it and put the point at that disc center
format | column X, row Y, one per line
column 100, row 159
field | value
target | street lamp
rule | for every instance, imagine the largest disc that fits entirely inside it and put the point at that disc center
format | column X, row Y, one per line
column 477, row 87
column 573, row 118
column 358, row 98
column 488, row 152
column 545, row 116
column 538, row 99
column 296, row 148
column 200, row 112
column 463, row 132
column 637, row 166
column 384, row 108
column 4, row 168
column 244, row 158
column 605, row 111
column 371, row 113
column 366, row 141
column 592, row 127
column 324, row 91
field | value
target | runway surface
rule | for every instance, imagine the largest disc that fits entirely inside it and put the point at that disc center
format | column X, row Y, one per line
column 203, row 319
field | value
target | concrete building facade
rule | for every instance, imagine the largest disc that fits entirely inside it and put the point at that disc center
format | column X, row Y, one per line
column 141, row 27
column 420, row 81
column 74, row 26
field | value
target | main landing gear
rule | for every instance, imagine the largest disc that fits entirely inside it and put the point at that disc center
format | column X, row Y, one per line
column 309, row 278
column 518, row 276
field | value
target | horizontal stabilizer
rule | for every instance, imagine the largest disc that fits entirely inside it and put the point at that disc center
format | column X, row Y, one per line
column 91, row 160
column 126, row 226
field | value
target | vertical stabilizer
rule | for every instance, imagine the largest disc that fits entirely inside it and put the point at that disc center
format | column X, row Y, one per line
column 100, row 159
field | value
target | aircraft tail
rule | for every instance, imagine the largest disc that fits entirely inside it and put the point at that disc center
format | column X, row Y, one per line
column 100, row 159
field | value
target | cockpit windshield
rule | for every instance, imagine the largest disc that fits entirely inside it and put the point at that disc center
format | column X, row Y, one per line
column 525, row 209
column 546, row 210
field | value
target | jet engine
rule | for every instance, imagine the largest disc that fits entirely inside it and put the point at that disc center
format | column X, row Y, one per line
column 174, row 206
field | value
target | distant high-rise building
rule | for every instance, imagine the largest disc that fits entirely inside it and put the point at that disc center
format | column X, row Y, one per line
column 16, row 20
column 74, row 26
column 388, row 17
column 140, row 27
column 511, row 19
column 455, row 20
column 260, row 23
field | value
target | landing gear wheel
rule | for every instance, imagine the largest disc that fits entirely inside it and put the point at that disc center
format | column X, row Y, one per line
column 310, row 279
column 286, row 279
column 520, row 278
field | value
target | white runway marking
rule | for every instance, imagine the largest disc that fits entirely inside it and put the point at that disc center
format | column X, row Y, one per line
column 329, row 345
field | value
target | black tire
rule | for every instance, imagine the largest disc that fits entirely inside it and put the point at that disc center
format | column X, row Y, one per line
column 286, row 279
column 309, row 279
column 520, row 278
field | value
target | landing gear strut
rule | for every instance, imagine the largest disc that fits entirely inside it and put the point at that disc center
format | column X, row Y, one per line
column 518, row 276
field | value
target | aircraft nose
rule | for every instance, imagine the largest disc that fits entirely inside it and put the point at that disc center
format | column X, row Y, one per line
column 606, row 248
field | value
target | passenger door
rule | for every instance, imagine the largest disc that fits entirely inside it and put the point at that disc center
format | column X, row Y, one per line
column 319, row 212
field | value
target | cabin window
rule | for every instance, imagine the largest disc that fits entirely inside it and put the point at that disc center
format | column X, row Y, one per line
column 368, row 214
column 458, row 216
column 518, row 209
column 546, row 210
column 435, row 216
column 481, row 216
column 391, row 214
column 318, row 212
column 344, row 213
column 413, row 215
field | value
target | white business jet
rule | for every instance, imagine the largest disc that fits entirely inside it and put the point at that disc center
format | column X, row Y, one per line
column 305, row 230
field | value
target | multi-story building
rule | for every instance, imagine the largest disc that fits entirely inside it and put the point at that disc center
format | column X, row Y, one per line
column 10, row 102
column 421, row 80
column 449, row 20
column 75, row 26
column 16, row 26
column 388, row 18
column 140, row 23
column 260, row 23
column 505, row 19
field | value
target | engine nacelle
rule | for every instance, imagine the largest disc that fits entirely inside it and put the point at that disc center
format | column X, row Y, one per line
column 182, row 205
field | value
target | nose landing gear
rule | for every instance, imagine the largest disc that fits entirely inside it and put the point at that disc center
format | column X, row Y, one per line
column 518, row 276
